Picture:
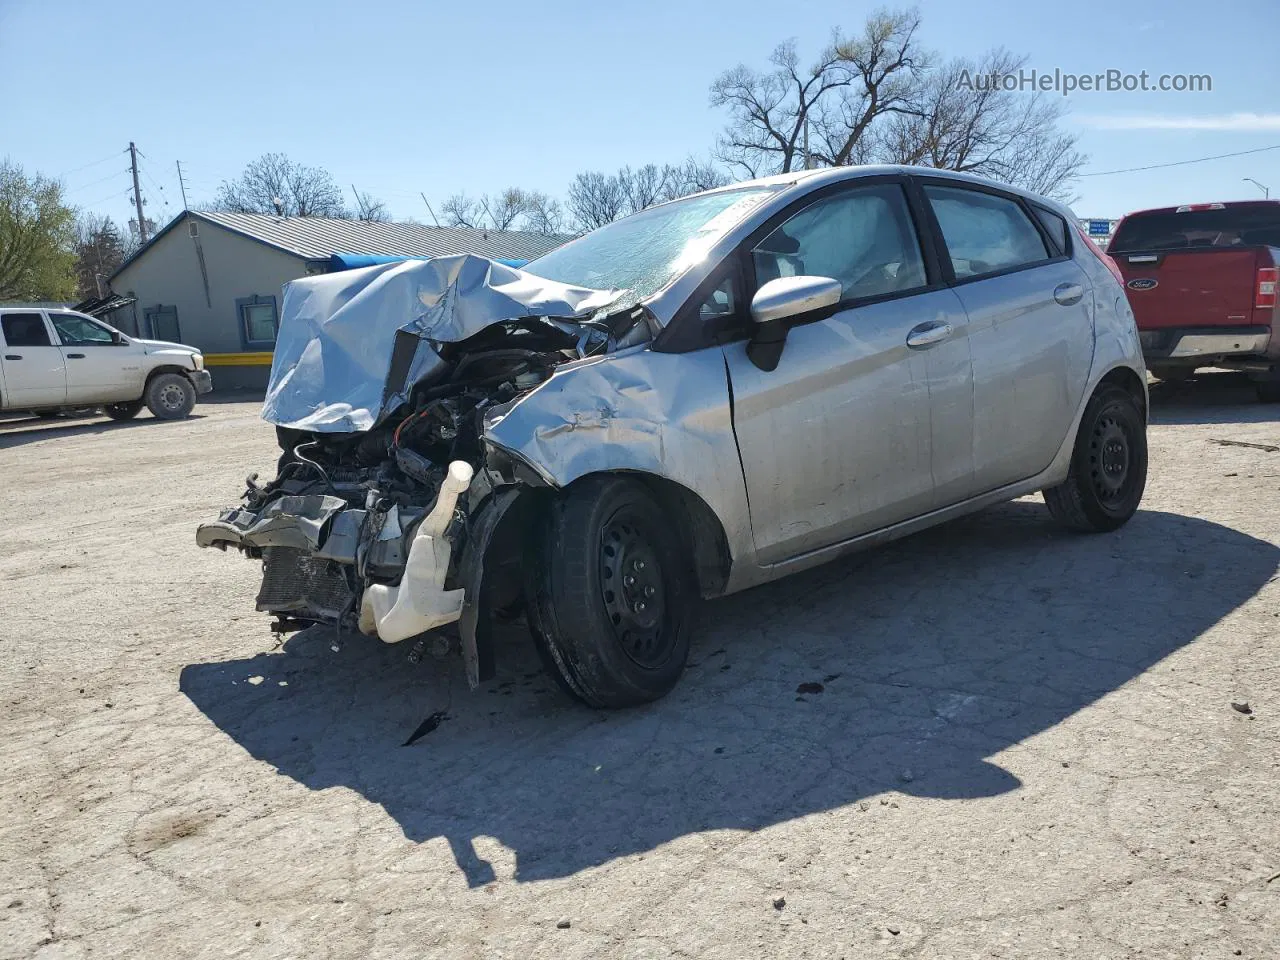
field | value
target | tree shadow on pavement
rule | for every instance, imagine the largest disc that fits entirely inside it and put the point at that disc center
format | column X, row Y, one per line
column 933, row 654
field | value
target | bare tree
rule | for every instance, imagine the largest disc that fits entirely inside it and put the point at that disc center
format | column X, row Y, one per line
column 768, row 109
column 460, row 210
column 959, row 119
column 99, row 251
column 882, row 67
column 692, row 176
column 543, row 213
column 275, row 184
column 505, row 208
column 596, row 198
column 374, row 211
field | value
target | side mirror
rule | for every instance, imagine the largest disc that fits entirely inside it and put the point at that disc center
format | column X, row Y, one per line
column 777, row 302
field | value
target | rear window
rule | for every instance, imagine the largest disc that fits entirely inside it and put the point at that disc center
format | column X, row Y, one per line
column 1229, row 227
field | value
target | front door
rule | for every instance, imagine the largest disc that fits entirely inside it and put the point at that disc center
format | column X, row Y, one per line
column 100, row 369
column 1030, row 329
column 34, row 374
column 839, row 439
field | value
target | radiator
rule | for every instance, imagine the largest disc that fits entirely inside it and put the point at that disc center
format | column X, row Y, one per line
column 295, row 582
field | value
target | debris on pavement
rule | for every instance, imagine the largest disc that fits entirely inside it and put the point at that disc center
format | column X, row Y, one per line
column 810, row 687
column 1267, row 447
column 1242, row 708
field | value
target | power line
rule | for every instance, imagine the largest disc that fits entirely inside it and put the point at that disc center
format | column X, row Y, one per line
column 86, row 166
column 1181, row 163
column 94, row 183
column 119, row 193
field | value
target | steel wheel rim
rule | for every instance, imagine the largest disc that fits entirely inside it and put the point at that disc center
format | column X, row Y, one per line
column 1110, row 460
column 633, row 591
column 172, row 396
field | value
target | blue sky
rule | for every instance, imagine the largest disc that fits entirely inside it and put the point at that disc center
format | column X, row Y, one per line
column 402, row 97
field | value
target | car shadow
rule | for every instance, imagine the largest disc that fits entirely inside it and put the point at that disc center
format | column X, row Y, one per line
column 931, row 656
column 17, row 432
column 1210, row 397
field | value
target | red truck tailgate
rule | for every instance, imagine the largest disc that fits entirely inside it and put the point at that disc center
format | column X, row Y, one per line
column 1191, row 288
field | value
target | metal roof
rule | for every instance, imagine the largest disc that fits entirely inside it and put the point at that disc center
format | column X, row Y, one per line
column 318, row 237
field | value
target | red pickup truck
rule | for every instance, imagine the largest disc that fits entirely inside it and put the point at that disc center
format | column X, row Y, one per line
column 1202, row 280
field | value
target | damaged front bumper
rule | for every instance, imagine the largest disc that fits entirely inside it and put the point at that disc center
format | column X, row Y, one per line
column 326, row 560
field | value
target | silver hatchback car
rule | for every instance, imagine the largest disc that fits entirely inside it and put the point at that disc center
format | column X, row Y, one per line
column 707, row 395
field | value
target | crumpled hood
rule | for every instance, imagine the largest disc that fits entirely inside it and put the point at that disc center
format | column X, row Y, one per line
column 154, row 346
column 338, row 332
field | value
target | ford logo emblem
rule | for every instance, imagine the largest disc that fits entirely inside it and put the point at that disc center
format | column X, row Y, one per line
column 1143, row 283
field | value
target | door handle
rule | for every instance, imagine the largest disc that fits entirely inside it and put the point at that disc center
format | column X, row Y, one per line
column 75, row 356
column 1068, row 293
column 13, row 356
column 927, row 334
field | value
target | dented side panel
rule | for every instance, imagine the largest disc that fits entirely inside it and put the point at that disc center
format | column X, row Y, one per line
column 668, row 415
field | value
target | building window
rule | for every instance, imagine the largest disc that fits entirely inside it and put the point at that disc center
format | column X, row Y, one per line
column 162, row 323
column 257, row 321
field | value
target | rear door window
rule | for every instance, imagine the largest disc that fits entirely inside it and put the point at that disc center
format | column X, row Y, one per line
column 1054, row 226
column 1225, row 227
column 25, row 330
column 984, row 233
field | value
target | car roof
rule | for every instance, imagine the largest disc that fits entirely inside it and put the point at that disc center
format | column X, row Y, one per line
column 807, row 180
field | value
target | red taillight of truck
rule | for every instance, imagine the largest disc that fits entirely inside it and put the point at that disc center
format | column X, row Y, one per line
column 1265, row 298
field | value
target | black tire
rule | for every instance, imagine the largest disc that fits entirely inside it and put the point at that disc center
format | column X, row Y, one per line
column 1108, row 466
column 1268, row 391
column 123, row 411
column 610, row 593
column 170, row 396
column 1174, row 374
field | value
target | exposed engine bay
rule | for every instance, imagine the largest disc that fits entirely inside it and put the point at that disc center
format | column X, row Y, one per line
column 370, row 527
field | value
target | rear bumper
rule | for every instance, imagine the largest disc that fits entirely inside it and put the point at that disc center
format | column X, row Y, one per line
column 1203, row 345
column 202, row 381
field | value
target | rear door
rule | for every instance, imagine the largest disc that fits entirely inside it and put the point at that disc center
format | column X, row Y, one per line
column 34, row 371
column 1030, row 317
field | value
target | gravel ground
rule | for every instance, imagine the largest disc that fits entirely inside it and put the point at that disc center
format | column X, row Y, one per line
column 1024, row 746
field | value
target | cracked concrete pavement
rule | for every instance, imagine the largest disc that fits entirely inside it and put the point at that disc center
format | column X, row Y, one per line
column 1024, row 744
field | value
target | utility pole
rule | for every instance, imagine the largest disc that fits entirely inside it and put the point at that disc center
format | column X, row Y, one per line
column 429, row 210
column 359, row 202
column 1266, row 191
column 137, row 192
column 182, row 184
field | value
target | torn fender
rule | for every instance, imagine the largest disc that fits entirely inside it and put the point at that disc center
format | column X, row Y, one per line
column 663, row 414
column 475, row 625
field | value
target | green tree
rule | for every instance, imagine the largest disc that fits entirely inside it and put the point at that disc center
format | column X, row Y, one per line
column 37, row 238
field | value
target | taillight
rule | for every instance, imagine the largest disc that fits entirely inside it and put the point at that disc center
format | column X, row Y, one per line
column 1107, row 261
column 1268, row 277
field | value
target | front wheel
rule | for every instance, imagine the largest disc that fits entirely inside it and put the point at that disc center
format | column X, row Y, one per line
column 170, row 396
column 1108, row 465
column 610, row 593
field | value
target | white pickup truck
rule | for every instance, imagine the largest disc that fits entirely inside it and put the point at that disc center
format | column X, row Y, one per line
column 53, row 360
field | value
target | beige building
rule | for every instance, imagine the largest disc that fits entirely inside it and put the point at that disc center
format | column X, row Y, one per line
column 213, row 280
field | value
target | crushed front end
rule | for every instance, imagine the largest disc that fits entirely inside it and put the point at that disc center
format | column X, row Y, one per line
column 387, row 496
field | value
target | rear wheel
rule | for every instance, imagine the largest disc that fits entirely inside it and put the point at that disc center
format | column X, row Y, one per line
column 1108, row 466
column 170, row 396
column 123, row 411
column 610, row 594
